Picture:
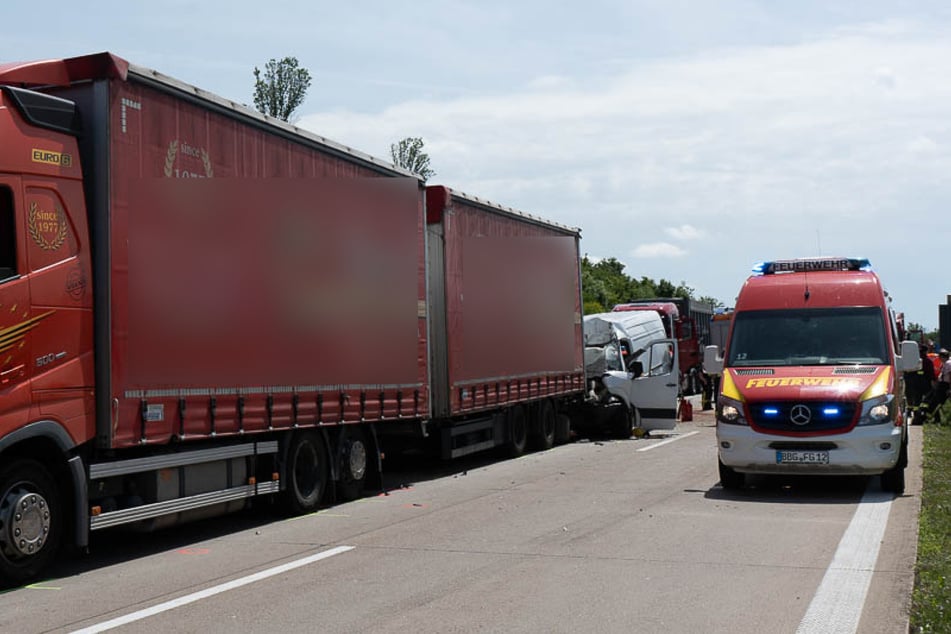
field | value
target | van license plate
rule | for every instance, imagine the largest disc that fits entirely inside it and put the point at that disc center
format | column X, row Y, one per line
column 802, row 457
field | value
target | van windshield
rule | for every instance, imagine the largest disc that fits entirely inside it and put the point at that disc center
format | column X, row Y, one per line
column 819, row 336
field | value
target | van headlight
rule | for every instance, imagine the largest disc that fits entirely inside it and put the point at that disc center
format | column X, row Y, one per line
column 730, row 411
column 878, row 410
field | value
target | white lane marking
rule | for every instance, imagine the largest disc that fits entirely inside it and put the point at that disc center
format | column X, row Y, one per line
column 838, row 603
column 668, row 441
column 204, row 594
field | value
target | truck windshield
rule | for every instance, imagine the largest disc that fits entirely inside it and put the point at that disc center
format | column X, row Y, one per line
column 821, row 336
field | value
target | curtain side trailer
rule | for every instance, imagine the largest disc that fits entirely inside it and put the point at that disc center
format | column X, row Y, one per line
column 200, row 305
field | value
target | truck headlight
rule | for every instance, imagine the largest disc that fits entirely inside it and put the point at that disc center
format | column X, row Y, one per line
column 730, row 411
column 878, row 410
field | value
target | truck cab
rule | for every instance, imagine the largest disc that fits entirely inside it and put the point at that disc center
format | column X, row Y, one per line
column 811, row 375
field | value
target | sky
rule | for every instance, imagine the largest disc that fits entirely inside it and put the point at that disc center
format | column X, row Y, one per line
column 687, row 139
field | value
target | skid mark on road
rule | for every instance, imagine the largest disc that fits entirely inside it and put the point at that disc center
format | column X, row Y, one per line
column 837, row 606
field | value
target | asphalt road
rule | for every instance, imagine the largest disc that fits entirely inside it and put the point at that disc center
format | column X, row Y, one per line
column 609, row 536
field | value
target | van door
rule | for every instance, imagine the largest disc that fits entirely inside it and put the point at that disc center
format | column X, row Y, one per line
column 654, row 393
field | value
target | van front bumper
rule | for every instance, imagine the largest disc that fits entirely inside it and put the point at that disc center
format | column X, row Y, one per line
column 866, row 450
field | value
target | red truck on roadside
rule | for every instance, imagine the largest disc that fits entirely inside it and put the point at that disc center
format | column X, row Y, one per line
column 200, row 305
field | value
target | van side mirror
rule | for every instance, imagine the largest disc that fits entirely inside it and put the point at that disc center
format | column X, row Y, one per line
column 636, row 368
column 910, row 360
column 712, row 360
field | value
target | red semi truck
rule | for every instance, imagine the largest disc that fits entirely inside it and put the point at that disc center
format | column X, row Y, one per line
column 175, row 345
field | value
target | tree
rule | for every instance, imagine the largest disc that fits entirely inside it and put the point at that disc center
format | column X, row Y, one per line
column 713, row 301
column 605, row 284
column 282, row 89
column 409, row 155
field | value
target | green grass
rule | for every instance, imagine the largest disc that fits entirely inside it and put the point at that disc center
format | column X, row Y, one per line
column 931, row 601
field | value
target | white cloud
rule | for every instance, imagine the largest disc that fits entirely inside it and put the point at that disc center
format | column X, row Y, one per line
column 769, row 148
column 923, row 145
column 684, row 232
column 658, row 250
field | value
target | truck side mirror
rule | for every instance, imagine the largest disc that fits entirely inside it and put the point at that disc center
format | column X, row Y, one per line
column 712, row 360
column 910, row 360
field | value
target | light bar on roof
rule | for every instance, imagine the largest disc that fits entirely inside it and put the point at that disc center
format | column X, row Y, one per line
column 812, row 264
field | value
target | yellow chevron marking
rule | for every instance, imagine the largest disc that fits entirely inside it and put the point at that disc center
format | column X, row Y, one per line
column 12, row 335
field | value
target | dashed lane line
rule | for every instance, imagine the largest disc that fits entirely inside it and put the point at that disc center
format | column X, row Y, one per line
column 209, row 592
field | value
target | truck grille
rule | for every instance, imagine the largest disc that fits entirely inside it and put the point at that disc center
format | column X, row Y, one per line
column 861, row 369
column 803, row 416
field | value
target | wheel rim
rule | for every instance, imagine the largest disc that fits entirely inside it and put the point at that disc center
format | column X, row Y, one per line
column 357, row 459
column 26, row 522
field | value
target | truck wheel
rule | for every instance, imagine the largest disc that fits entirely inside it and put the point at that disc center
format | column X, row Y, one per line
column 306, row 472
column 729, row 478
column 562, row 429
column 544, row 433
column 353, row 463
column 30, row 520
column 517, row 431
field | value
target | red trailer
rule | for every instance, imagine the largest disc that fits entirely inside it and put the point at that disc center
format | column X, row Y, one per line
column 505, row 323
column 200, row 305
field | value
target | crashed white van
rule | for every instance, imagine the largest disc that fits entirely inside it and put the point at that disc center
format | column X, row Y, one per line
column 631, row 371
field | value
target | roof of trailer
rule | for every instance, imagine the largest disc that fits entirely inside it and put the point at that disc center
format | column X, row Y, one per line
column 63, row 72
column 438, row 197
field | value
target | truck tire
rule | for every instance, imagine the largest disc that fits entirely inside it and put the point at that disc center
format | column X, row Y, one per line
column 306, row 472
column 31, row 520
column 729, row 478
column 562, row 429
column 517, row 431
column 543, row 436
column 353, row 463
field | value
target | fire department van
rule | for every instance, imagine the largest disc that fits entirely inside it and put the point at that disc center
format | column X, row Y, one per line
column 812, row 375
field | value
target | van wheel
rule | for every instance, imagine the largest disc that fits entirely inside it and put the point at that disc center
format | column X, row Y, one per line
column 354, row 462
column 30, row 520
column 893, row 480
column 623, row 424
column 306, row 472
column 517, row 431
column 544, row 433
column 730, row 479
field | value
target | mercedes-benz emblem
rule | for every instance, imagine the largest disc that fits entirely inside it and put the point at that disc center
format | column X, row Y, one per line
column 800, row 415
